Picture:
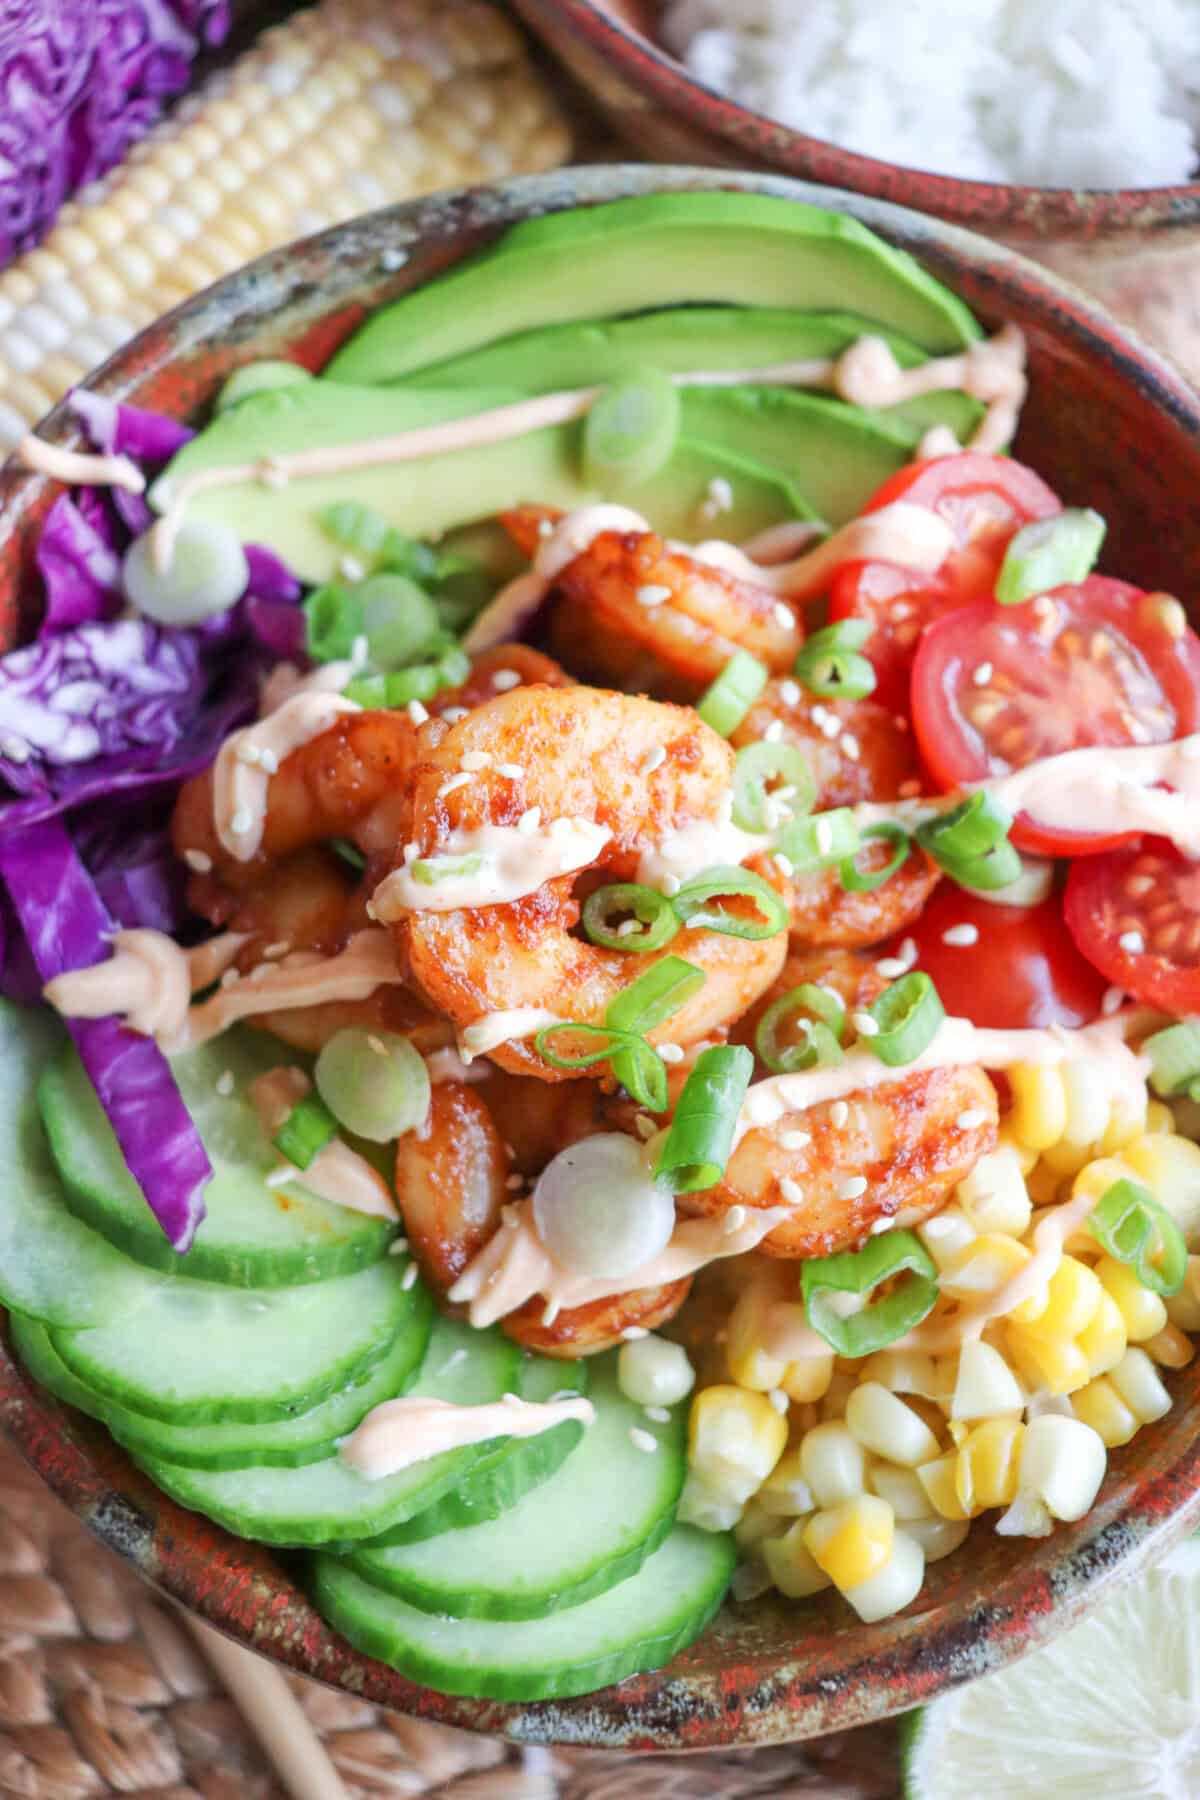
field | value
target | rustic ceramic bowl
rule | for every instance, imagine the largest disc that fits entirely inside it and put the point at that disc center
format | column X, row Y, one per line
column 1111, row 426
column 1138, row 249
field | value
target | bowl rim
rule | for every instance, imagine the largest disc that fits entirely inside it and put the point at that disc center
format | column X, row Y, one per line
column 239, row 1586
column 1038, row 212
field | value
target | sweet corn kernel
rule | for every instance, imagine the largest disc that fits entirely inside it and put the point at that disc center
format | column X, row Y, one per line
column 946, row 1234
column 1056, row 1364
column 1073, row 1298
column 1170, row 1347
column 1140, row 1386
column 654, row 1372
column 983, row 1266
column 1039, row 1110
column 985, row 1469
column 937, row 1478
column 902, row 1372
column 937, row 1537
column 1159, row 1117
column 1183, row 1308
column 985, row 1384
column 901, row 1488
column 883, row 1424
column 832, row 1404
column 749, row 1364
column 892, row 1587
column 791, row 1564
column 1006, row 1139
column 853, row 1541
column 1066, row 1158
column 1103, row 1340
column 1100, row 1406
column 994, row 1196
column 785, row 1493
column 735, row 1438
column 754, row 1525
column 1062, row 1465
column 1141, row 1309
column 1089, row 1105
column 833, row 1463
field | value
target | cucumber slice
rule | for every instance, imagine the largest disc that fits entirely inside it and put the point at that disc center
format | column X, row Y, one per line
column 51, row 1266
column 253, row 1235
column 286, row 1443
column 566, row 1541
column 637, row 1626
column 194, row 1353
column 518, row 1465
column 327, row 1502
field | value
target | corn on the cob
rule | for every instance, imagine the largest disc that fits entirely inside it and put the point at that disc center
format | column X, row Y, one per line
column 351, row 105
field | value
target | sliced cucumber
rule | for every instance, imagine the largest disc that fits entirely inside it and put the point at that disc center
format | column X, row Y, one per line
column 51, row 1266
column 194, row 1353
column 636, row 1626
column 253, row 1235
column 327, row 1502
column 564, row 1542
column 286, row 1443
column 509, row 1472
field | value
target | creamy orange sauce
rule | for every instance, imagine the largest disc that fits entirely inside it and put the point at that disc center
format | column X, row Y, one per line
column 337, row 1172
column 508, row 864
column 398, row 1433
column 248, row 758
column 494, row 1029
column 79, row 469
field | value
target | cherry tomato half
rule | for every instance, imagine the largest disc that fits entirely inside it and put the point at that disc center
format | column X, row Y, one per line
column 1135, row 914
column 985, row 499
column 1020, row 969
column 996, row 687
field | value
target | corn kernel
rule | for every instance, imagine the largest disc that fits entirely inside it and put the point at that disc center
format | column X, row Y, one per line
column 985, row 1469
column 884, row 1424
column 1100, row 1406
column 1039, row 1111
column 1103, row 1341
column 754, row 1525
column 1073, row 1298
column 1089, row 1107
column 901, row 1488
column 1170, row 1347
column 791, row 1565
column 994, row 1196
column 983, row 1266
column 1099, row 1176
column 1141, row 1309
column 1057, row 1365
column 1159, row 1117
column 894, row 1586
column 946, row 1234
column 1183, row 1308
column 902, row 1372
column 937, row 1478
column 785, row 1493
column 654, row 1372
column 833, row 1463
column 1062, row 1465
column 985, row 1385
column 704, row 1507
column 735, row 1439
column 853, row 1541
column 1140, row 1386
column 938, row 1537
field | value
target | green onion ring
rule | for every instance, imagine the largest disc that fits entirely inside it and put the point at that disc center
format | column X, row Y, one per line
column 651, row 911
column 755, row 766
column 823, row 1045
column 694, row 896
column 305, row 1132
column 863, row 881
column 1134, row 1228
column 697, row 1146
column 908, row 1014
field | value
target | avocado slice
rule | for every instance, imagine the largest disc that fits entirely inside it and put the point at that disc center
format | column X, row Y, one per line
column 656, row 251
column 682, row 338
column 428, row 497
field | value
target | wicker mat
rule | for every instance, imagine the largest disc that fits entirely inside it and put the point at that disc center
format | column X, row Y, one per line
column 104, row 1689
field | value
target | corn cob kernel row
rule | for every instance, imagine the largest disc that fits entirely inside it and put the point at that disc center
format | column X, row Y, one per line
column 352, row 105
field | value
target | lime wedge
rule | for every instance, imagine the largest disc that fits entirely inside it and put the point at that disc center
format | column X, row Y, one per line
column 1110, row 1708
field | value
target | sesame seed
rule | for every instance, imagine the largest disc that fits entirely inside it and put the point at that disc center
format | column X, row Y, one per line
column 411, row 851
column 453, row 714
column 789, row 693
column 830, row 725
column 778, row 1399
column 671, row 885
column 982, row 674
column 774, row 732
column 230, row 978
column 852, row 1187
column 410, row 1277
column 279, row 1177
column 735, row 1218
column 1132, row 941
column 242, row 821
column 643, row 1440
column 360, row 651
column 819, row 714
column 661, row 1415
column 376, row 1044
column 783, row 615
column 791, row 1190
column 393, row 258
column 351, row 568
column 720, row 494
column 645, row 1126
column 796, row 1140
column 651, row 594
column 550, row 1312
column 629, row 928
column 199, row 860
column 474, row 760
column 417, row 713
column 654, row 759
column 670, row 1053
column 455, row 781
column 824, row 836
column 971, row 1119
column 545, row 528
column 961, row 935
column 891, row 968
column 1113, row 1001
column 530, row 819
column 268, row 762
column 398, row 1247
column 632, row 1333
column 839, row 1113
column 225, row 1083
column 865, row 1025
column 504, row 680
column 783, row 863
column 514, row 1183
column 850, row 746
column 279, row 949
column 510, row 771
column 908, row 950
column 248, row 753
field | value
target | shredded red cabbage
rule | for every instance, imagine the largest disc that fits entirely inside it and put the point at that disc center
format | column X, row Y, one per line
column 79, row 567
column 67, row 926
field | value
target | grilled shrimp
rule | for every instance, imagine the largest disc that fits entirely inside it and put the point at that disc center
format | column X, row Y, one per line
column 856, row 749
column 452, row 1182
column 912, row 1140
column 852, row 974
column 825, row 913
column 639, row 769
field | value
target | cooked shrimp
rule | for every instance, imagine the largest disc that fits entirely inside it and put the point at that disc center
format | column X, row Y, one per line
column 451, row 1183
column 536, row 1120
column 492, row 673
column 637, row 768
column 912, row 1140
column 824, row 912
column 852, row 974
column 856, row 749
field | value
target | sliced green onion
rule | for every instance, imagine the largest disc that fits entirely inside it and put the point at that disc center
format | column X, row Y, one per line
column 692, row 900
column 978, row 824
column 697, row 1146
column 261, row 377
column 820, row 841
column 356, row 526
column 908, row 1014
column 349, row 852
column 865, row 881
column 305, row 1132
column 367, row 690
column 632, row 429
column 655, row 996
column 651, row 916
column 1050, row 553
column 207, row 573
column 585, row 1059
column 429, row 870
column 1174, row 1057
column 399, row 620
column 726, row 702
column 1135, row 1229
column 819, row 1015
column 635, row 1063
column 995, row 869
column 374, row 1082
column 453, row 667
column 754, row 808
column 420, row 682
column 861, row 1272
column 333, row 623
column 829, row 664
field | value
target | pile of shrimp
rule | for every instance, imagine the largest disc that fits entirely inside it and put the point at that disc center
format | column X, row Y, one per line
column 573, row 735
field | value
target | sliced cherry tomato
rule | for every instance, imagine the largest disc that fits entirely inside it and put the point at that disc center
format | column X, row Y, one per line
column 1135, row 914
column 986, row 499
column 996, row 687
column 1020, row 969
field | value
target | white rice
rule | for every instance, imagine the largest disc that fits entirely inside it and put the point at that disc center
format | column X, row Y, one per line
column 1048, row 93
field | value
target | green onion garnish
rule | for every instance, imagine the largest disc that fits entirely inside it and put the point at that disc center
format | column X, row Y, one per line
column 429, row 870
column 631, row 429
column 1174, row 1057
column 820, row 841
column 1134, row 1228
column 697, row 1146
column 818, row 1014
column 754, row 807
column 977, row 825
column 861, row 1272
column 829, row 664
column 333, row 622
column 655, row 996
column 649, row 922
column 399, row 619
column 420, row 682
column 692, row 901
column 997, row 868
column 865, row 881
column 374, row 1082
column 305, row 1132
column 725, row 704
column 356, row 526
column 642, row 1070
column 908, row 1014
column 1050, row 553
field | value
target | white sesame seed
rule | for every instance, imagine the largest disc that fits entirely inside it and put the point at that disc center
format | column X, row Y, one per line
column 661, row 1415
column 360, row 651
column 789, row 693
column 774, row 732
column 791, row 1190
column 643, row 1440
column 550, row 1312
column 514, row 1183
column 720, row 494
column 279, row 949
column 230, row 978
column 249, row 754
column 865, row 1025
column 671, row 885
column 225, row 1083
column 545, row 528
column 199, row 860
column 783, row 615
column 410, row 1277
column 654, row 759
column 783, row 863
column 632, row 1333
column 891, row 968
column 504, row 680
column 280, row 1177
column 852, row 1187
column 376, row 1045
column 778, row 1399
column 908, row 950
column 398, row 1247
column 823, row 833
column 1113, row 1001
column 982, row 674
column 474, row 760
column 351, row 568
column 651, row 594
column 670, row 1053
column 1132, row 941
column 530, row 819
column 417, row 713
column 735, row 1218
column 645, row 1126
column 818, row 714
column 455, row 781
column 242, row 821
column 796, row 1140
column 629, row 928
column 839, row 1113
column 510, row 771
column 268, row 762
column 411, row 851
column 969, row 1120
column 393, row 258
column 851, row 746
column 453, row 714
column 961, row 935
column 830, row 726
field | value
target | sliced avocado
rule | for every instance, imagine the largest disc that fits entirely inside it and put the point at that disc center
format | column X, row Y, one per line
column 657, row 251
column 435, row 494
column 690, row 338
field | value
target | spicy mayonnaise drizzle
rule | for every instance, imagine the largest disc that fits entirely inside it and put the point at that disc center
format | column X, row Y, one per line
column 248, row 758
column 78, row 469
column 335, row 1173
column 401, row 1432
column 488, row 865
